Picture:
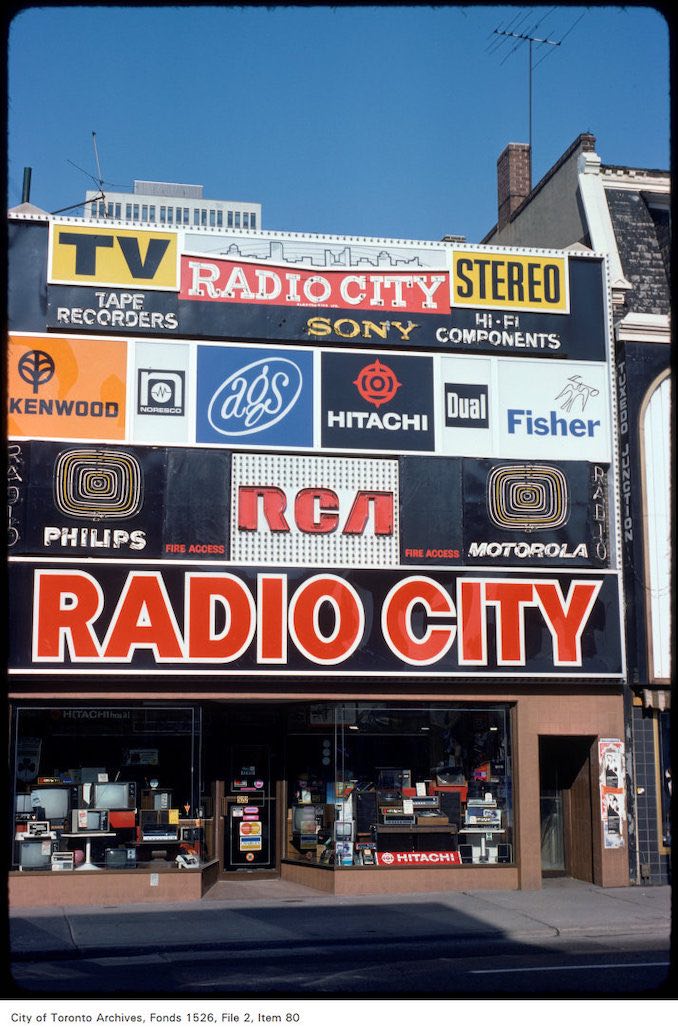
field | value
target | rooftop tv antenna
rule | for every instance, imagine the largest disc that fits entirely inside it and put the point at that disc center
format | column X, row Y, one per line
column 524, row 37
column 512, row 31
column 99, row 181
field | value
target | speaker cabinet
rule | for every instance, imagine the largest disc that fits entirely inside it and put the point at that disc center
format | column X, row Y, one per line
column 450, row 806
column 366, row 811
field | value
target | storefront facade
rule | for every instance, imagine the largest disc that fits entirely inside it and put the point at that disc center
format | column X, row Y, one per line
column 314, row 565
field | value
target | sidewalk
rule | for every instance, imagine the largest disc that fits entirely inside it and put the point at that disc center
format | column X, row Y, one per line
column 273, row 914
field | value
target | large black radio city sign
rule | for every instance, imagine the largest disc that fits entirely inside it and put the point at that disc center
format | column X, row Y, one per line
column 114, row 618
column 318, row 289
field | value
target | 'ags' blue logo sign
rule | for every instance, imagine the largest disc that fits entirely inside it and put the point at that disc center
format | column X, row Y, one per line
column 254, row 396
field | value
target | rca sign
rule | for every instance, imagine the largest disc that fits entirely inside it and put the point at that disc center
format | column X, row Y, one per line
column 308, row 509
column 363, row 622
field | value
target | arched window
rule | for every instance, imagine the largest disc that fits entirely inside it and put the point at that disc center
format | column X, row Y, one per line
column 655, row 426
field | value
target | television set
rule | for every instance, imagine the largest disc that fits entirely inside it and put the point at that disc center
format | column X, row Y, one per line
column 108, row 795
column 89, row 820
column 35, row 853
column 304, row 819
column 22, row 803
column 53, row 802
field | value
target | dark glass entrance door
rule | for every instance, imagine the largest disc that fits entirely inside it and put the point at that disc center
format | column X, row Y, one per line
column 565, row 789
column 249, row 810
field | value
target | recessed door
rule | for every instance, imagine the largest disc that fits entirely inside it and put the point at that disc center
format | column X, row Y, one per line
column 565, row 806
column 249, row 810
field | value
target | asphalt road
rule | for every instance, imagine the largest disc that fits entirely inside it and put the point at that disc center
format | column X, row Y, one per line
column 573, row 966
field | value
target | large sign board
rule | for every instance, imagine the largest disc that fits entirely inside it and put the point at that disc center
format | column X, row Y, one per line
column 108, row 277
column 233, row 395
column 113, row 617
column 304, row 510
column 293, row 454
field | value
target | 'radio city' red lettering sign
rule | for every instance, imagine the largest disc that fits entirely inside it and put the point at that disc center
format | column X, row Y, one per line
column 375, row 622
column 226, row 281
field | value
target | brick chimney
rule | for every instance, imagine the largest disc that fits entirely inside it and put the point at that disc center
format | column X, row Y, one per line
column 514, row 179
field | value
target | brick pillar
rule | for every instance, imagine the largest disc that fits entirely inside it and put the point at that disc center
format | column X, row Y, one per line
column 514, row 179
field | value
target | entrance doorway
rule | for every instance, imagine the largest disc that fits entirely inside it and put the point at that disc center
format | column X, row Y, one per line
column 242, row 764
column 566, row 806
column 249, row 810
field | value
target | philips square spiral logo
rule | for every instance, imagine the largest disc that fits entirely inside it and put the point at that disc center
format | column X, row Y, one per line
column 257, row 396
column 97, row 484
column 161, row 392
column 528, row 497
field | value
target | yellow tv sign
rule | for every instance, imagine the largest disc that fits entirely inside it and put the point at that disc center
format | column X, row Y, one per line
column 116, row 257
column 510, row 281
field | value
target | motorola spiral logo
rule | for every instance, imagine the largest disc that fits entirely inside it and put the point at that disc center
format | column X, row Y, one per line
column 36, row 368
column 377, row 383
column 527, row 497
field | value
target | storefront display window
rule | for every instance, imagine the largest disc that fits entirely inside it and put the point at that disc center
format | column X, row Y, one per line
column 379, row 785
column 107, row 787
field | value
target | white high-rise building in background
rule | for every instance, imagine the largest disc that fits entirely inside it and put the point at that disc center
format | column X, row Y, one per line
column 172, row 203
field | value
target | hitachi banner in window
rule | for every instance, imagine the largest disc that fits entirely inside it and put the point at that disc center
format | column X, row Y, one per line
column 114, row 618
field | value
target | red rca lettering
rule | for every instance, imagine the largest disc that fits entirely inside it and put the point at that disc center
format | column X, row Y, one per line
column 315, row 510
column 324, row 618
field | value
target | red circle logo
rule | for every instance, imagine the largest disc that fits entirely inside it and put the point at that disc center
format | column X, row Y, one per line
column 377, row 383
column 388, row 858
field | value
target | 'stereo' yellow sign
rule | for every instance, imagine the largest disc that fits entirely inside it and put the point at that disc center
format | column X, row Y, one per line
column 117, row 257
column 513, row 281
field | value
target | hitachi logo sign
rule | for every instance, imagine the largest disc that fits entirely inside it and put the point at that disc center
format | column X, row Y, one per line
column 382, row 422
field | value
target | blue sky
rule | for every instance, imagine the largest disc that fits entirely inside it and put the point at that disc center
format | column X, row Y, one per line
column 384, row 121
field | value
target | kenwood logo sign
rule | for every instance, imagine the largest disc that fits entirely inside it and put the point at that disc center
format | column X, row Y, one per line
column 37, row 368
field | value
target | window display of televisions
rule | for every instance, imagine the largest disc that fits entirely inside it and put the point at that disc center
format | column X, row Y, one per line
column 110, row 795
column 420, row 778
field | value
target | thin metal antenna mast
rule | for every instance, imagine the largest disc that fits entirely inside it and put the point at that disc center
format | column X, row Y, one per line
column 96, row 157
column 525, row 37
